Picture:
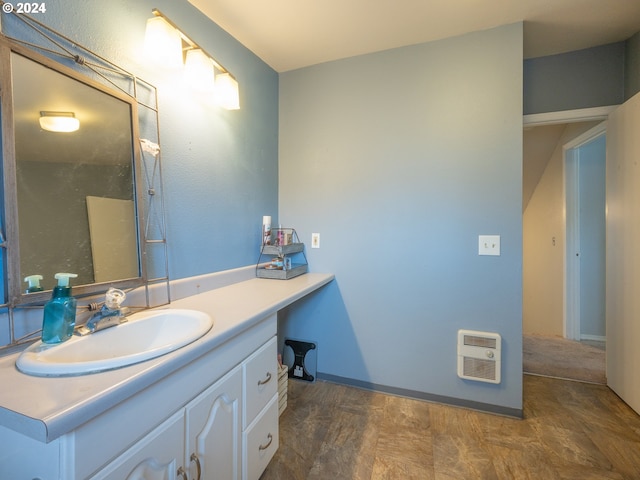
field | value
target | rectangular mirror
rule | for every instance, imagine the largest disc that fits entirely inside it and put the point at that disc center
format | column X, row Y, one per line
column 70, row 196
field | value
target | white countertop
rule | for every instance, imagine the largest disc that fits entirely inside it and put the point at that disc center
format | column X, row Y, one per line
column 46, row 408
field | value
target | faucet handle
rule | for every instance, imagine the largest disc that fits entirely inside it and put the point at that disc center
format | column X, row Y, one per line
column 114, row 298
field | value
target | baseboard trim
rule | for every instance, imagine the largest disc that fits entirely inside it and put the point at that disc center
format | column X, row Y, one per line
column 429, row 397
column 595, row 338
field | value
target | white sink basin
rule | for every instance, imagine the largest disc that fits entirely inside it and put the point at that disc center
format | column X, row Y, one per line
column 144, row 336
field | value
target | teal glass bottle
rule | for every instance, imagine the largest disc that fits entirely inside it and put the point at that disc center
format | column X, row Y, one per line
column 59, row 318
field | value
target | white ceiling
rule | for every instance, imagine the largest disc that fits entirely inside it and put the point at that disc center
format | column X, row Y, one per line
column 290, row 34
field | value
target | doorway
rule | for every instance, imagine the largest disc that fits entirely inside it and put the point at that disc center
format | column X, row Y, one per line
column 552, row 301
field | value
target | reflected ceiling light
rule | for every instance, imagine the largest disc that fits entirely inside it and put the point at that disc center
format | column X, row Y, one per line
column 163, row 43
column 200, row 67
column 198, row 70
column 227, row 95
column 59, row 121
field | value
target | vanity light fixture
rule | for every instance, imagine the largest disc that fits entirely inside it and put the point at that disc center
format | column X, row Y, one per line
column 226, row 92
column 198, row 70
column 162, row 43
column 59, row 121
column 200, row 67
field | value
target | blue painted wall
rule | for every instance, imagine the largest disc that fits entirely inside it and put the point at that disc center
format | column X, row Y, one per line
column 593, row 77
column 220, row 167
column 400, row 159
column 632, row 67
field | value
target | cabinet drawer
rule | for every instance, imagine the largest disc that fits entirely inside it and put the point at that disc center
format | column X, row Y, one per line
column 260, row 380
column 260, row 441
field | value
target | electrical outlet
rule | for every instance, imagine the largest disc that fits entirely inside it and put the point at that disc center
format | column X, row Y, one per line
column 315, row 240
column 489, row 245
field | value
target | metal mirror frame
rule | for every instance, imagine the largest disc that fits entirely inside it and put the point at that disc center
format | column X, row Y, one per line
column 16, row 295
column 147, row 168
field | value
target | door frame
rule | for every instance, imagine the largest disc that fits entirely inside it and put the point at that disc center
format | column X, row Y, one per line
column 571, row 320
column 567, row 116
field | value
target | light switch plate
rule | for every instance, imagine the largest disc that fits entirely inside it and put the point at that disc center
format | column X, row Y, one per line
column 489, row 245
column 315, row 240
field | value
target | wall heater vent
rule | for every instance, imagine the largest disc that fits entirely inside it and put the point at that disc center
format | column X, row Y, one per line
column 479, row 356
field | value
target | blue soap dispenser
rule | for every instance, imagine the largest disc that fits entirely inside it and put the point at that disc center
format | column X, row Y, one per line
column 60, row 312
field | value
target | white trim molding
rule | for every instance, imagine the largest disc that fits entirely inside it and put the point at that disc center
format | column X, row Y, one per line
column 568, row 116
column 593, row 338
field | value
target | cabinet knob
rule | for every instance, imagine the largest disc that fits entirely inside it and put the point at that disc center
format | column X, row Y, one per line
column 266, row 380
column 264, row 447
column 194, row 458
column 182, row 473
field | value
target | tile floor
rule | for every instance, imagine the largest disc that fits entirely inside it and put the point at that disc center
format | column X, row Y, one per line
column 571, row 430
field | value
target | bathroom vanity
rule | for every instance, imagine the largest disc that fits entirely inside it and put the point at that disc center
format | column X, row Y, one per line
column 208, row 408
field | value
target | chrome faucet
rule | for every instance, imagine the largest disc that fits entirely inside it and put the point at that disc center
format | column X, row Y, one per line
column 110, row 315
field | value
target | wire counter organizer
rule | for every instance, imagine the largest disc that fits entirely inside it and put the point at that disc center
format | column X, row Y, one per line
column 284, row 256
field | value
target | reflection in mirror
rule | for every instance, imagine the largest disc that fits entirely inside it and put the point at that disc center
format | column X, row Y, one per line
column 75, row 190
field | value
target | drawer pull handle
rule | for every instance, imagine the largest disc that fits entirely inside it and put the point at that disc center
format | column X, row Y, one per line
column 264, row 447
column 182, row 473
column 266, row 380
column 194, row 458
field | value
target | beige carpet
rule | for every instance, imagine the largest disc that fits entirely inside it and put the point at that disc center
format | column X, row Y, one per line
column 561, row 358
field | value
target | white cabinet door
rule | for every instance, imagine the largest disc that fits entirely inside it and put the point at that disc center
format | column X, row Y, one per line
column 158, row 456
column 213, row 430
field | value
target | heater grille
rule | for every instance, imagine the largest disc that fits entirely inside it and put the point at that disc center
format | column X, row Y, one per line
column 479, row 368
column 479, row 356
column 476, row 341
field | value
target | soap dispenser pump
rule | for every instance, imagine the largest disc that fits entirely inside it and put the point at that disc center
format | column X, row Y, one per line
column 34, row 283
column 60, row 312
